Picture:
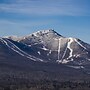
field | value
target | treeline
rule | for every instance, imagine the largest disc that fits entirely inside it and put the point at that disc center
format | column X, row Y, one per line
column 44, row 85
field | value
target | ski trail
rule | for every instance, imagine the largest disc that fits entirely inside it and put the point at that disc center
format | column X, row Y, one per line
column 4, row 41
column 19, row 51
column 64, row 53
column 59, row 46
column 15, row 48
column 68, row 46
column 80, row 44
column 12, row 47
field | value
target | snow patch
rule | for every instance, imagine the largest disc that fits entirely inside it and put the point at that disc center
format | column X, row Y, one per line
column 77, row 55
column 64, row 61
column 29, row 45
column 35, row 34
column 88, row 59
column 44, row 48
column 49, row 52
column 24, row 37
column 39, row 52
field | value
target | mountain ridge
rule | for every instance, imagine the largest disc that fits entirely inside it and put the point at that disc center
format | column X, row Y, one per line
column 49, row 46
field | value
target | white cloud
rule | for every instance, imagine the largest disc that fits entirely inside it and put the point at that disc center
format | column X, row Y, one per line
column 45, row 7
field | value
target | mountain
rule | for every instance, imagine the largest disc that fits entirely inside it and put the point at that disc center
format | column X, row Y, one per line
column 43, row 55
column 49, row 46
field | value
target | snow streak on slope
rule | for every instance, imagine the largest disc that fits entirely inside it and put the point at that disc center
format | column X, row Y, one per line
column 44, row 48
column 80, row 44
column 68, row 46
column 64, row 53
column 76, row 67
column 19, row 51
column 12, row 47
column 59, row 43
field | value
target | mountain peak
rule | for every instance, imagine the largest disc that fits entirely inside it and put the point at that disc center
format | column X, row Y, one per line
column 44, row 32
column 50, row 33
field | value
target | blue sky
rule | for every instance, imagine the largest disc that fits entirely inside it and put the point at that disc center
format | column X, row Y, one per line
column 70, row 18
